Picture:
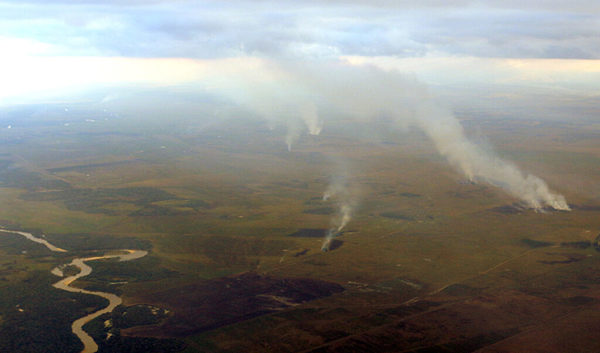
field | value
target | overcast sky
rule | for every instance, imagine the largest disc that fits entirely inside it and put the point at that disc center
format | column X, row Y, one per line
column 49, row 45
column 209, row 29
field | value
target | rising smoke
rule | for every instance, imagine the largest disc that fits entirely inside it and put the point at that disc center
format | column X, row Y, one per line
column 480, row 165
column 368, row 92
column 345, row 197
column 275, row 92
column 293, row 93
column 310, row 116
column 307, row 113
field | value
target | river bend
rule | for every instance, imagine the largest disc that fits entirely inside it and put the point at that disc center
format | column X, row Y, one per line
column 89, row 345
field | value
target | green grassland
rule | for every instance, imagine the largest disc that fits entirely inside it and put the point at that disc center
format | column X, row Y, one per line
column 224, row 200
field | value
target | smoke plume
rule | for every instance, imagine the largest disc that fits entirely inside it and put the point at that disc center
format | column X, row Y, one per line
column 345, row 198
column 368, row 92
column 293, row 93
column 479, row 165
column 275, row 92
column 311, row 118
column 307, row 113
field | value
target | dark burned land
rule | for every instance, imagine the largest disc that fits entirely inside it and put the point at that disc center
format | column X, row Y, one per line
column 211, row 304
column 234, row 224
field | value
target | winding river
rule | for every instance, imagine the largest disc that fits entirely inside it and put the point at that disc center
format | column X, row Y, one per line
column 89, row 346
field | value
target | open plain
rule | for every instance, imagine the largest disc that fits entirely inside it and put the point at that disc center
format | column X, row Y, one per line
column 234, row 223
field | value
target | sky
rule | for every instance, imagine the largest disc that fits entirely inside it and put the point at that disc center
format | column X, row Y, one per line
column 54, row 48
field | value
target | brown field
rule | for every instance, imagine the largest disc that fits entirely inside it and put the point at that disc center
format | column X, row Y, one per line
column 429, row 262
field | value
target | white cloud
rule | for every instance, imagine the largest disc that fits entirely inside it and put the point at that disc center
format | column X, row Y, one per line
column 442, row 70
column 208, row 29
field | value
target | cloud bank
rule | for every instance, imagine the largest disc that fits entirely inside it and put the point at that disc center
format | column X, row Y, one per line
column 210, row 29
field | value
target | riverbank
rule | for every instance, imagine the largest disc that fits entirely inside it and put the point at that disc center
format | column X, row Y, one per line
column 90, row 345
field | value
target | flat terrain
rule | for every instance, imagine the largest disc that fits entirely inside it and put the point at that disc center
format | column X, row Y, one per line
column 430, row 262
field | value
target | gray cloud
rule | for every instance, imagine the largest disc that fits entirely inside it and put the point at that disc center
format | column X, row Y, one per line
column 308, row 29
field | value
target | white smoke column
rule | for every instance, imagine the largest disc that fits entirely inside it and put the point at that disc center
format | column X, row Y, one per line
column 306, row 112
column 273, row 91
column 293, row 134
column 346, row 200
column 290, row 92
column 365, row 92
column 478, row 165
column 310, row 116
column 345, row 216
